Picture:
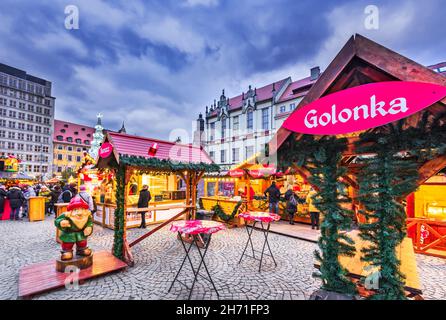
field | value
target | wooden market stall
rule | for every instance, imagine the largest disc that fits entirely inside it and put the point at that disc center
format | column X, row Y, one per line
column 346, row 131
column 171, row 170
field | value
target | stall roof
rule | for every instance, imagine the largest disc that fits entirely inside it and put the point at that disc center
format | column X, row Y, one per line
column 374, row 63
column 169, row 156
column 14, row 176
column 131, row 145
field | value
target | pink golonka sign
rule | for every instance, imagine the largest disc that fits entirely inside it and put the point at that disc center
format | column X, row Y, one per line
column 364, row 107
column 105, row 150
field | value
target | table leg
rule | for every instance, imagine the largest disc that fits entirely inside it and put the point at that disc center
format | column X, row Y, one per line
column 204, row 264
column 266, row 243
column 248, row 242
column 187, row 250
column 199, row 266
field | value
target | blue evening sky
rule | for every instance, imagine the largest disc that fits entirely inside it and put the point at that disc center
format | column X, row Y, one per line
column 157, row 64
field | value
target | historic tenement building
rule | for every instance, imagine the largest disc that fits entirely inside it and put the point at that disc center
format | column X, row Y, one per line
column 26, row 120
column 235, row 129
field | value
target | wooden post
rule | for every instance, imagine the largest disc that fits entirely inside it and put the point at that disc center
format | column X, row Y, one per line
column 128, row 257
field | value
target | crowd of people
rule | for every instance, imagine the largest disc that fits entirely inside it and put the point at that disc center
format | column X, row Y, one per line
column 19, row 195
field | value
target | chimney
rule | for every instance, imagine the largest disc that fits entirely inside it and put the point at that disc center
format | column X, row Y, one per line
column 315, row 73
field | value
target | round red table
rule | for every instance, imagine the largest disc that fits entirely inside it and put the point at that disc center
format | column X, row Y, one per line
column 195, row 228
column 262, row 218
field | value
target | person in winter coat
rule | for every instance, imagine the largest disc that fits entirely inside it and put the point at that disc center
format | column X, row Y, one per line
column 46, row 193
column 143, row 202
column 291, row 203
column 16, row 199
column 314, row 212
column 3, row 194
column 66, row 195
column 273, row 194
column 55, row 193
column 28, row 193
column 86, row 197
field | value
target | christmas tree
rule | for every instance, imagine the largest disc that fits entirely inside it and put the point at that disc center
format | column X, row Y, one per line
column 98, row 137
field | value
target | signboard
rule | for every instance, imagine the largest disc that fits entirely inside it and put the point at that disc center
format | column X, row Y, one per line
column 105, row 150
column 364, row 107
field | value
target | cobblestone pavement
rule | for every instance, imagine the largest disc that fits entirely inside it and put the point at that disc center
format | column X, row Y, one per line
column 158, row 258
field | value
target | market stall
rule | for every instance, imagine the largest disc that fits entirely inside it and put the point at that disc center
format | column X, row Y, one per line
column 170, row 170
column 10, row 176
column 369, row 133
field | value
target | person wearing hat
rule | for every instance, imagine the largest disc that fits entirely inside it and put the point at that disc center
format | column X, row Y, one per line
column 75, row 225
column 46, row 193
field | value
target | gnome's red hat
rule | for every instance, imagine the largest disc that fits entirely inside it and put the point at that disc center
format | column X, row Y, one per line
column 77, row 203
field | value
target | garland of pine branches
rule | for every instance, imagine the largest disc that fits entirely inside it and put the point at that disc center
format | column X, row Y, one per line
column 322, row 158
column 118, row 240
column 218, row 211
column 387, row 177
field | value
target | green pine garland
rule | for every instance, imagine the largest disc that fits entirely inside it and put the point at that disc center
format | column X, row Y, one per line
column 119, row 227
column 223, row 216
column 387, row 177
column 322, row 158
column 166, row 165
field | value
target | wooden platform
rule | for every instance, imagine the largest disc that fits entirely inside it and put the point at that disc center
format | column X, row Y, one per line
column 43, row 277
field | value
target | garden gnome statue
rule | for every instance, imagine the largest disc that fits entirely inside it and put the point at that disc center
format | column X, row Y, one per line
column 75, row 225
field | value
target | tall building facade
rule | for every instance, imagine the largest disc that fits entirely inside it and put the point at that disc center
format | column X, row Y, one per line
column 235, row 129
column 70, row 141
column 26, row 120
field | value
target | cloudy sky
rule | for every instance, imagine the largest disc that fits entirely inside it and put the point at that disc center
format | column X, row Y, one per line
column 157, row 64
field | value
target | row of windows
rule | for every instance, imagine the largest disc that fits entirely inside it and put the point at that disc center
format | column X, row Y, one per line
column 69, row 158
column 10, row 145
column 249, row 152
column 24, row 85
column 22, row 126
column 283, row 109
column 24, row 106
column 70, row 139
column 21, row 136
column 236, row 124
column 70, row 148
column 27, row 157
column 23, row 116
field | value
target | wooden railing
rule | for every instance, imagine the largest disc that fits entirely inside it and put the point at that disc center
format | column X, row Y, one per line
column 426, row 238
column 186, row 210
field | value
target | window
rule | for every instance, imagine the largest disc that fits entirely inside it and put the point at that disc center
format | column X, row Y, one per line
column 11, row 135
column 59, row 169
column 249, row 120
column 45, row 149
column 212, row 132
column 235, row 155
column 70, row 158
column 59, row 147
column 235, row 124
column 212, row 155
column 282, row 109
column 29, row 157
column 292, row 106
column 78, row 158
column 69, row 148
column 21, row 136
column 223, row 156
column 223, row 127
column 87, row 142
column 59, row 157
column 31, row 108
column 21, row 126
column 70, row 139
column 249, row 151
column 59, row 138
column 79, row 141
column 29, row 127
column 30, row 117
column 265, row 119
column 39, row 129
